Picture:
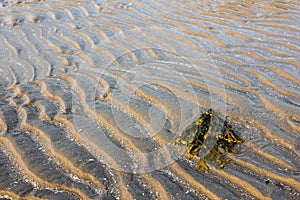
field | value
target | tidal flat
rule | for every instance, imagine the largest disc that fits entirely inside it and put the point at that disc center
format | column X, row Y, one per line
column 93, row 95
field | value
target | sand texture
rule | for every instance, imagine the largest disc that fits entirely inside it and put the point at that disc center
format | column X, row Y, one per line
column 93, row 95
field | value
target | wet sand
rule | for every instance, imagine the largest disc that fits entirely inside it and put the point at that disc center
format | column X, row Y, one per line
column 93, row 95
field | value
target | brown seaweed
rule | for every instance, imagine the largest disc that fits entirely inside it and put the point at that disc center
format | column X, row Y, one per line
column 209, row 139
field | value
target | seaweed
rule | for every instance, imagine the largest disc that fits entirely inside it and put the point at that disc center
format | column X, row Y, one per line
column 210, row 138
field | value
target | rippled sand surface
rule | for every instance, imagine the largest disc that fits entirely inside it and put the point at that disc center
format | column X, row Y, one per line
column 94, row 93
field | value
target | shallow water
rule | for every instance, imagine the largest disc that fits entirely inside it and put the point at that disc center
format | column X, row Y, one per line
column 94, row 94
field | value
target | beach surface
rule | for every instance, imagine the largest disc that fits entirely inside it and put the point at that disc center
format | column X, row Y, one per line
column 93, row 95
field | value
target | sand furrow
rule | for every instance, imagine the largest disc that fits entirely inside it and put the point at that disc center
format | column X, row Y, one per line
column 289, row 181
column 19, row 162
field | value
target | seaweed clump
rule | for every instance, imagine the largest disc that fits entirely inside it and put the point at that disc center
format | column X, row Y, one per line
column 210, row 138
